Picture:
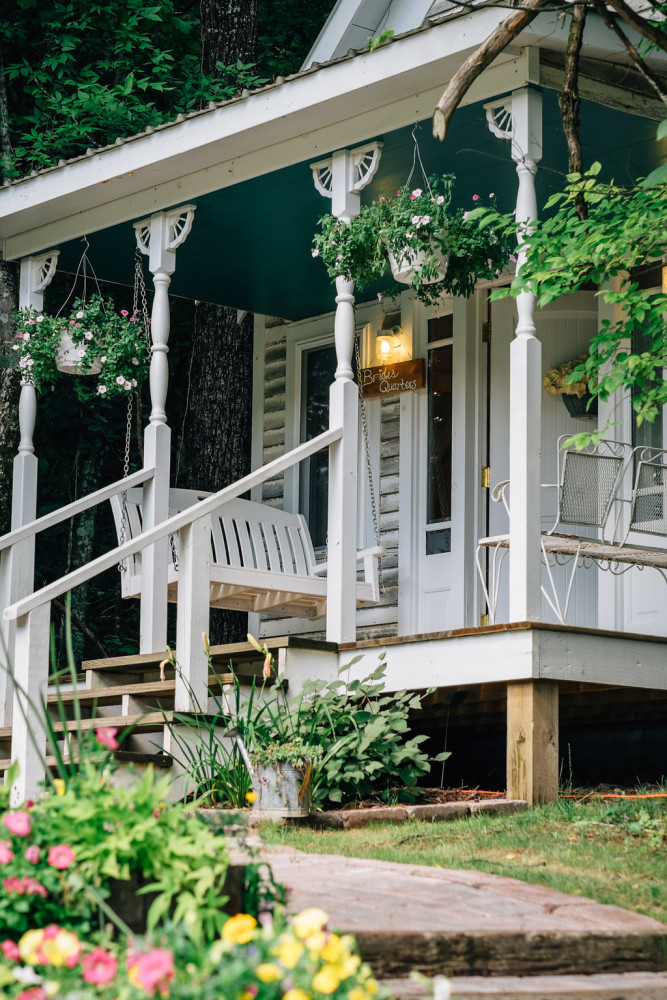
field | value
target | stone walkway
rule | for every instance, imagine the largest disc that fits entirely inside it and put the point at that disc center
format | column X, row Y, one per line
column 472, row 926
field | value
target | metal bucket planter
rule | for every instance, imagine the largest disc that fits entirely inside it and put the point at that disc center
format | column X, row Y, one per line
column 73, row 358
column 410, row 262
column 280, row 791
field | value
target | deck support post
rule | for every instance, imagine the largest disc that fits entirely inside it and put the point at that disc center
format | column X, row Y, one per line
column 519, row 119
column 194, row 558
column 341, row 177
column 532, row 741
column 158, row 237
column 31, row 676
column 17, row 563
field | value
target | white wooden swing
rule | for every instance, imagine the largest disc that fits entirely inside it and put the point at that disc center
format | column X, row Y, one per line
column 590, row 496
column 262, row 558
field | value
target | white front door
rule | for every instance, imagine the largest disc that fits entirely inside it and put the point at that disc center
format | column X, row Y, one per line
column 436, row 558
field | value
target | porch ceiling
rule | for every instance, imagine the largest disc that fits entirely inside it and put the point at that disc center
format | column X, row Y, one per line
column 250, row 244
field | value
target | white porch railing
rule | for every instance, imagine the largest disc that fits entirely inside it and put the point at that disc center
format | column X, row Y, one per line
column 32, row 613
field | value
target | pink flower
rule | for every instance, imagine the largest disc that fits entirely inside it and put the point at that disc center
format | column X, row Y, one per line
column 492, row 195
column 99, row 967
column 79, row 315
column 124, row 312
column 416, row 193
column 6, row 852
column 475, row 197
column 34, row 993
column 88, row 335
column 31, row 854
column 154, row 970
column 17, row 822
column 24, row 886
column 10, row 950
column 60, row 856
column 106, row 735
column 31, row 322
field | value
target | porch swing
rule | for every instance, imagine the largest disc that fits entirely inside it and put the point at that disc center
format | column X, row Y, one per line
column 262, row 558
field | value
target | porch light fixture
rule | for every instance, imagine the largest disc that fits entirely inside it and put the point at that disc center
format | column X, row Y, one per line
column 390, row 346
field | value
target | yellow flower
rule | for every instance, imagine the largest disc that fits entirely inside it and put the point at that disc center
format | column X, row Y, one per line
column 239, row 929
column 309, row 922
column 251, row 797
column 289, row 952
column 358, row 994
column 314, row 943
column 296, row 994
column 59, row 786
column 267, row 972
column 327, row 980
column 333, row 950
column 63, row 949
column 51, row 988
column 29, row 945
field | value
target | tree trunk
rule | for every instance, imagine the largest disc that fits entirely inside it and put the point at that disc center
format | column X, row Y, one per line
column 569, row 102
column 228, row 32
column 218, row 420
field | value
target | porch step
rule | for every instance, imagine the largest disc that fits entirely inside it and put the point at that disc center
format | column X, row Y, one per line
column 114, row 693
column 158, row 760
column 622, row 986
column 235, row 654
column 148, row 722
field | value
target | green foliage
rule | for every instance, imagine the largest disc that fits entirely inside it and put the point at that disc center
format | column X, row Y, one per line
column 364, row 738
column 561, row 379
column 378, row 40
column 294, row 751
column 625, row 231
column 417, row 226
column 81, row 74
column 117, row 340
column 114, row 833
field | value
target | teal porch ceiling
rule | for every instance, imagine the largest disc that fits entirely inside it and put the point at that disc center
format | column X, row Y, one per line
column 250, row 245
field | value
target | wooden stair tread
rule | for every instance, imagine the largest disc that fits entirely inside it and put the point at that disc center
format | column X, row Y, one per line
column 143, row 722
column 106, row 695
column 160, row 760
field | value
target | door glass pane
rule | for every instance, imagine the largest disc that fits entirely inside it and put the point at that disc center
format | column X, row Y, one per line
column 318, row 370
column 439, row 490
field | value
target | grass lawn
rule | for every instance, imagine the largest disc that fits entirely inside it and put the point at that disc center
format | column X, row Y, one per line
column 609, row 850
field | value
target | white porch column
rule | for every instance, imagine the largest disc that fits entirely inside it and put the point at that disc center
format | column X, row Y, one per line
column 17, row 565
column 519, row 119
column 158, row 237
column 341, row 177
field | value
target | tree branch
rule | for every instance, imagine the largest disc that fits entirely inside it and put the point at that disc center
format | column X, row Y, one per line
column 641, row 65
column 640, row 24
column 568, row 99
column 477, row 62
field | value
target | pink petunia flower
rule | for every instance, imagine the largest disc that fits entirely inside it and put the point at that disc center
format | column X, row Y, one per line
column 106, row 735
column 475, row 197
column 34, row 993
column 152, row 971
column 17, row 822
column 99, row 967
column 60, row 856
column 10, row 950
column 6, row 852
column 31, row 854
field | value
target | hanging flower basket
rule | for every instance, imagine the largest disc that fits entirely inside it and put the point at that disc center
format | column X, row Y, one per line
column 577, row 406
column 561, row 381
column 412, row 263
column 73, row 357
column 95, row 339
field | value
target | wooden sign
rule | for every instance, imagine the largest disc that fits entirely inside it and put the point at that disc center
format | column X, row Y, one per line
column 388, row 379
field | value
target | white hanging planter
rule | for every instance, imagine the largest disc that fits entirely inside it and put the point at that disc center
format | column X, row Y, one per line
column 72, row 357
column 411, row 261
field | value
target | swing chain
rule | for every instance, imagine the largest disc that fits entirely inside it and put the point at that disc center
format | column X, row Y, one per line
column 126, row 472
column 140, row 292
column 369, row 466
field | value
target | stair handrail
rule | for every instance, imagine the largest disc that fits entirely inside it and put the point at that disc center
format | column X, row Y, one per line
column 174, row 524
column 74, row 508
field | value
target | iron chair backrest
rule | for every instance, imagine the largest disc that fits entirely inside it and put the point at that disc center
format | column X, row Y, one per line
column 649, row 496
column 589, row 482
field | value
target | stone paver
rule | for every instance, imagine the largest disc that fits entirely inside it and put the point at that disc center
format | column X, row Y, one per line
column 626, row 986
column 466, row 922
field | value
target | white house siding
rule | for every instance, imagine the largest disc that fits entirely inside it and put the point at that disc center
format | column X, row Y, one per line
column 273, row 443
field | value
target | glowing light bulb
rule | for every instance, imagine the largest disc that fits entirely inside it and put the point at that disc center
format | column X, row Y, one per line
column 385, row 347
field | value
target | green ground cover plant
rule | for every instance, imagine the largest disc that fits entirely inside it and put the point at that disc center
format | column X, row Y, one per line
column 613, row 851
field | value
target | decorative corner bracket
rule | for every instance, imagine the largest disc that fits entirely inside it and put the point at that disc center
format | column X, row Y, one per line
column 36, row 275
column 344, row 174
column 159, row 236
column 518, row 117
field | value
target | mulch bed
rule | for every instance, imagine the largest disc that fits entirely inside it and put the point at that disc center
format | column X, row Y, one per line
column 422, row 797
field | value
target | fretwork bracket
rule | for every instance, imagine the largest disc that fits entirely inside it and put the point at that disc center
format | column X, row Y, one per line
column 518, row 118
column 344, row 174
column 36, row 275
column 159, row 236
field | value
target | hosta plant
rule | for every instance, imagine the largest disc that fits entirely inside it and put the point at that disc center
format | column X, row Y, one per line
column 99, row 332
